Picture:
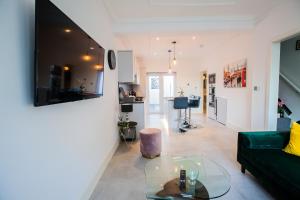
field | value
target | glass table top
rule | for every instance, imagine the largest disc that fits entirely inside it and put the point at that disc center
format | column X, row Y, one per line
column 212, row 179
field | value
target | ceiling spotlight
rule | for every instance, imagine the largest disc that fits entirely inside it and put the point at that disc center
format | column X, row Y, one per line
column 92, row 48
column 194, row 37
column 157, row 38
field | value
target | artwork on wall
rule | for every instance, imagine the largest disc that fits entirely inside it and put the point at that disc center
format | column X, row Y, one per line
column 235, row 74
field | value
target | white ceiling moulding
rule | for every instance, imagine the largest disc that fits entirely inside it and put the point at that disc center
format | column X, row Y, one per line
column 193, row 2
column 183, row 24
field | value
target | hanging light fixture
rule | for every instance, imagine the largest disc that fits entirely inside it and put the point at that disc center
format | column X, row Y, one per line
column 170, row 70
column 174, row 52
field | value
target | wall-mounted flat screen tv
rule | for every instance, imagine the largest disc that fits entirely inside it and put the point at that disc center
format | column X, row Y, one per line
column 69, row 64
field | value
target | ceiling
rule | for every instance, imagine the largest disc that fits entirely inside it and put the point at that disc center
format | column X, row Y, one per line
column 154, row 46
column 145, row 10
column 196, row 25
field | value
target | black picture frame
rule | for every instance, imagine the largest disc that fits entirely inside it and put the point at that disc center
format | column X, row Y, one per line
column 298, row 45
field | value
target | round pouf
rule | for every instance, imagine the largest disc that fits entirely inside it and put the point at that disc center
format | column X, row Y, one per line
column 150, row 144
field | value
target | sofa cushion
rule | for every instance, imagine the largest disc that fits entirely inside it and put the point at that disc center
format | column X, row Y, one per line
column 283, row 167
column 294, row 144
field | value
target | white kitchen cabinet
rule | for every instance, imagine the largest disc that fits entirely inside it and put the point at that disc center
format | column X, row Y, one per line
column 128, row 68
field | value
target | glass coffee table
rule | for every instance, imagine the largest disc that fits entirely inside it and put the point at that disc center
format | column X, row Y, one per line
column 205, row 179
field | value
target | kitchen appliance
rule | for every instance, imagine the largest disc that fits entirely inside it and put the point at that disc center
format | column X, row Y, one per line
column 212, row 109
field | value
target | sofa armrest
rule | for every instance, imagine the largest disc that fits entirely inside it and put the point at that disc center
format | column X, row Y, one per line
column 263, row 140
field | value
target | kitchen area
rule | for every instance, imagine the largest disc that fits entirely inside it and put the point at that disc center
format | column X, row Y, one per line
column 131, row 95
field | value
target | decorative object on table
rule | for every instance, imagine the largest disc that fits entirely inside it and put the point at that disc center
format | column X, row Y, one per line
column 235, row 74
column 150, row 145
column 298, row 45
column 111, row 57
column 193, row 192
column 182, row 179
column 181, row 92
column 192, row 172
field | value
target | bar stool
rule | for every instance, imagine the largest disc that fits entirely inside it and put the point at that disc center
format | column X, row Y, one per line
column 181, row 103
column 193, row 103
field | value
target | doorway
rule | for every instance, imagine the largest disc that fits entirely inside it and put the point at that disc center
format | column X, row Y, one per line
column 160, row 87
column 273, row 81
column 204, row 92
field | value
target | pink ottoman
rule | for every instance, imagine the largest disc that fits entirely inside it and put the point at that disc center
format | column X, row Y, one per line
column 150, row 143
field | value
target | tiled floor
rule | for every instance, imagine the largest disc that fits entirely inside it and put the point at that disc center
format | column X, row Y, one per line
column 124, row 177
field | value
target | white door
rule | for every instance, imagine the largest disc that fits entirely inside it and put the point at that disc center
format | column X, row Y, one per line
column 161, row 86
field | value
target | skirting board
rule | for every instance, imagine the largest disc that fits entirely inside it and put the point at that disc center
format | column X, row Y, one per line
column 106, row 161
column 234, row 127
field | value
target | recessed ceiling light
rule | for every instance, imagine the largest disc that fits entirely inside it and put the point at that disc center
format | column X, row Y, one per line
column 92, row 48
column 157, row 38
column 194, row 37
column 68, row 30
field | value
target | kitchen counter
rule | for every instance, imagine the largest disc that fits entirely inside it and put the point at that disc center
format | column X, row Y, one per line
column 133, row 102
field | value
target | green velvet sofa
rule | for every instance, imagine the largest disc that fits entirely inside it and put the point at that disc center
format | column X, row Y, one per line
column 261, row 154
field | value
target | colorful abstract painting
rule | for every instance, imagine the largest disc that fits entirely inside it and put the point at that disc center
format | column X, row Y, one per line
column 235, row 74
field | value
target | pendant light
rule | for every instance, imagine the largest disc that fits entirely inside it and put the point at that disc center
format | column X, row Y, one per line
column 170, row 70
column 174, row 52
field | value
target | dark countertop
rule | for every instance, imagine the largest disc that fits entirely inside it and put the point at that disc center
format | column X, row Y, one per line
column 121, row 102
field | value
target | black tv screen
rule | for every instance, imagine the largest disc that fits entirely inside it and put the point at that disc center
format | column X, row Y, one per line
column 69, row 64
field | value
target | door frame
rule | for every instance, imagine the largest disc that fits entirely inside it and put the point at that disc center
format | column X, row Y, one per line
column 273, row 80
column 161, row 90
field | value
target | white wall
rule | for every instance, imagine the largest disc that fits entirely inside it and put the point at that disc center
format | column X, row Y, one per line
column 188, row 74
column 283, row 21
column 58, row 151
column 238, row 99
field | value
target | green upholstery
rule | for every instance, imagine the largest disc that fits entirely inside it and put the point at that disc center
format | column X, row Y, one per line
column 260, row 153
